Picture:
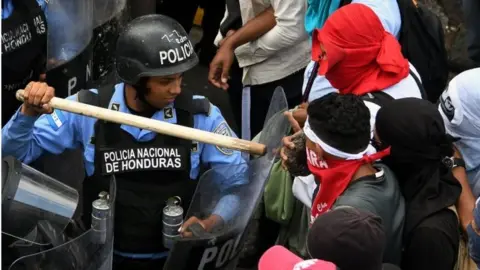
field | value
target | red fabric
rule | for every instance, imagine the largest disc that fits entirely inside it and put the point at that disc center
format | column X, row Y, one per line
column 358, row 55
column 334, row 176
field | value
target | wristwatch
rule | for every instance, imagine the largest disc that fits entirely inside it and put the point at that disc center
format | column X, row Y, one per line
column 453, row 162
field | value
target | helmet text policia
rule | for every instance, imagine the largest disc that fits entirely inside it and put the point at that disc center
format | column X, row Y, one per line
column 153, row 45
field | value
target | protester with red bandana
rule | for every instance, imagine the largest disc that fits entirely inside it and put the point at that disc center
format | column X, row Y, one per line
column 337, row 134
column 357, row 55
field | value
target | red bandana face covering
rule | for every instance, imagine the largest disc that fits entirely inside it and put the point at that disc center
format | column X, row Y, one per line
column 334, row 176
column 358, row 58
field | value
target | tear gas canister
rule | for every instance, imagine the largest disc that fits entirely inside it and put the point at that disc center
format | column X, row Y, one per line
column 100, row 215
column 172, row 221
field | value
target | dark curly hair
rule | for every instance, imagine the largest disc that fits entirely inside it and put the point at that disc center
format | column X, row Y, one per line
column 342, row 121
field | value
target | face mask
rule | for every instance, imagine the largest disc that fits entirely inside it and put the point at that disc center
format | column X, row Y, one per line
column 335, row 176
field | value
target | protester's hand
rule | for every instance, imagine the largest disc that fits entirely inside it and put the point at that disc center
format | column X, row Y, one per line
column 36, row 96
column 220, row 66
column 287, row 144
column 293, row 122
column 300, row 116
column 207, row 224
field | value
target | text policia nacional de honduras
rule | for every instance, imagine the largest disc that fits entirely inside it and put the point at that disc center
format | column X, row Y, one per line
column 148, row 158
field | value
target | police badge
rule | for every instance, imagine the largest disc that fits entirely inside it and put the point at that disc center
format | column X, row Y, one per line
column 168, row 113
column 447, row 106
column 224, row 129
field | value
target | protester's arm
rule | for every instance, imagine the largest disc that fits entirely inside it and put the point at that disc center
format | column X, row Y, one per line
column 223, row 60
column 287, row 31
column 252, row 30
column 27, row 136
column 466, row 202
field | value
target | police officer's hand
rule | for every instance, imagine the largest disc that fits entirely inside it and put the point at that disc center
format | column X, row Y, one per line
column 36, row 96
column 207, row 224
column 220, row 66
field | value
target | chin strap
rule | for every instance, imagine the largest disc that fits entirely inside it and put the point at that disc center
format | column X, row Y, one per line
column 141, row 89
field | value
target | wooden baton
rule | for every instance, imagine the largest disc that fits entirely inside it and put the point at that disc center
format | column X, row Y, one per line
column 154, row 125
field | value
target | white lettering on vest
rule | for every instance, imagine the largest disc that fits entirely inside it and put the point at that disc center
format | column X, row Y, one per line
column 151, row 158
column 16, row 38
column 39, row 25
column 220, row 255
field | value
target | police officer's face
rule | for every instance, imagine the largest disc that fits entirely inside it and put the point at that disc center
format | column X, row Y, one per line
column 163, row 90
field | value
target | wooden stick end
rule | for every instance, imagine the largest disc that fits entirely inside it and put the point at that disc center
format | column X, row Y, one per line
column 19, row 95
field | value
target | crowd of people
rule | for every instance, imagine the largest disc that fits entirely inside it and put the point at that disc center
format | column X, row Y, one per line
column 390, row 163
column 382, row 163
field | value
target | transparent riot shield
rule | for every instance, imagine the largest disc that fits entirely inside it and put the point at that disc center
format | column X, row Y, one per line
column 110, row 18
column 30, row 197
column 231, row 192
column 88, row 250
column 69, row 45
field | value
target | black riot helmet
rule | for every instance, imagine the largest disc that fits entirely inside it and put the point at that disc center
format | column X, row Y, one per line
column 153, row 45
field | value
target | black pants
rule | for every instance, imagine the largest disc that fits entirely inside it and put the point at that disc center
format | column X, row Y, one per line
column 235, row 95
column 214, row 11
column 261, row 95
column 123, row 263
column 471, row 9
column 182, row 11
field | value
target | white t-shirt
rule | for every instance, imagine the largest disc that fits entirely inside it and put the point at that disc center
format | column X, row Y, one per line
column 404, row 89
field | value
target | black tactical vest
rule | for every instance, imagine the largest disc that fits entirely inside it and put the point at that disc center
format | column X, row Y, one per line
column 24, row 48
column 147, row 174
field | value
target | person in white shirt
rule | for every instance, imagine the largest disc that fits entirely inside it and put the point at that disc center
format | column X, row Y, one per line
column 273, row 49
column 459, row 106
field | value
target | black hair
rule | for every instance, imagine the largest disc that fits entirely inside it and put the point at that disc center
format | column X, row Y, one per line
column 341, row 121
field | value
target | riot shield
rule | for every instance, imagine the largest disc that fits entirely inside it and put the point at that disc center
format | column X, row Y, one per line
column 69, row 45
column 110, row 17
column 28, row 197
column 231, row 192
column 89, row 250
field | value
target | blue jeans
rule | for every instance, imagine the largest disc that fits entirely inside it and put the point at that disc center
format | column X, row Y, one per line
column 473, row 237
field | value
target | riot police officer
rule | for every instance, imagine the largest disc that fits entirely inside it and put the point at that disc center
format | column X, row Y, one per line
column 152, row 53
column 24, row 41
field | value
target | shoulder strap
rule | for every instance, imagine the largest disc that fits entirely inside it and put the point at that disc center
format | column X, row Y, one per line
column 87, row 97
column 419, row 84
column 201, row 106
column 102, row 99
column 311, row 78
column 378, row 97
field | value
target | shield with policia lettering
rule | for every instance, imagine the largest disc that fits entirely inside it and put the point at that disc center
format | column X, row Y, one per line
column 110, row 18
column 231, row 192
column 69, row 45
